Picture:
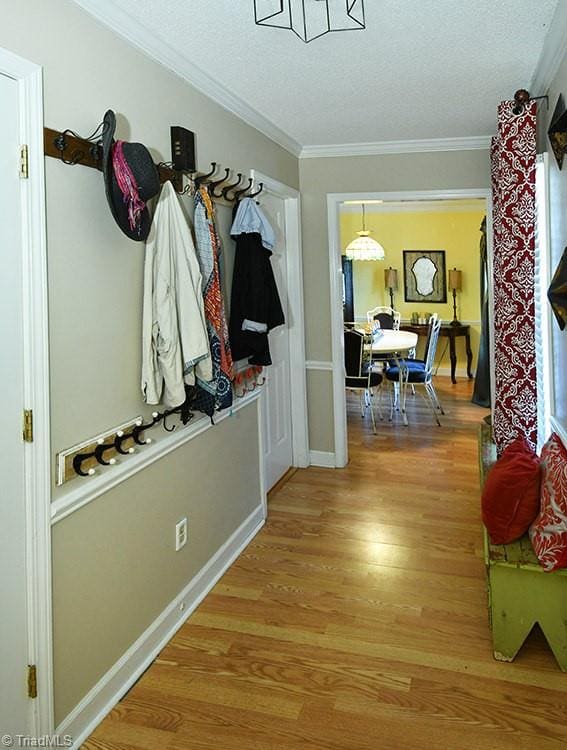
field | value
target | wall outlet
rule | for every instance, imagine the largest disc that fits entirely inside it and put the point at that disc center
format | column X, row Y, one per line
column 180, row 534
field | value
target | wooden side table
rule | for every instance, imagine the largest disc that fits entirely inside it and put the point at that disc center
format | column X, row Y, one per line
column 452, row 333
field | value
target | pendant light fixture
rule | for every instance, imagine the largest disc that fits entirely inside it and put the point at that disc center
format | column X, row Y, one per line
column 310, row 19
column 364, row 247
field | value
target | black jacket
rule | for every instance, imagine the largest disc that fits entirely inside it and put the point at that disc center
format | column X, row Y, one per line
column 255, row 298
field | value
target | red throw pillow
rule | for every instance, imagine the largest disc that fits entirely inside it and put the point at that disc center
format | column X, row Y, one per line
column 549, row 530
column 510, row 498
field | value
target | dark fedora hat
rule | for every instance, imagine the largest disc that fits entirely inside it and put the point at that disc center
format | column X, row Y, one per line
column 145, row 173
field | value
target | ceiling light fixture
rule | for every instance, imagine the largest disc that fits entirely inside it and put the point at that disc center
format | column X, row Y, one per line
column 364, row 247
column 310, row 19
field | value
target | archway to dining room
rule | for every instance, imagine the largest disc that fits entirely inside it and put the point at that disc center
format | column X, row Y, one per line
column 439, row 230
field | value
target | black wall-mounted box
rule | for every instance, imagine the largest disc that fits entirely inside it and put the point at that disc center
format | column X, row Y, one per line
column 182, row 149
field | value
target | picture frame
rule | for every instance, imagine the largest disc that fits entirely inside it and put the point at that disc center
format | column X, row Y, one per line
column 425, row 277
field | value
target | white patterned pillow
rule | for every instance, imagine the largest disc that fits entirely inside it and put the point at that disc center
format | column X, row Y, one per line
column 548, row 532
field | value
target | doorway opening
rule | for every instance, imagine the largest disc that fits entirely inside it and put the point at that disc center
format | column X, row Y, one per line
column 442, row 225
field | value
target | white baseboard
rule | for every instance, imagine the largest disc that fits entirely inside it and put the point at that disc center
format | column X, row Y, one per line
column 119, row 679
column 322, row 458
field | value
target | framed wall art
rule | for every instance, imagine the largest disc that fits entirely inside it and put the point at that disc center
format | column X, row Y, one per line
column 425, row 279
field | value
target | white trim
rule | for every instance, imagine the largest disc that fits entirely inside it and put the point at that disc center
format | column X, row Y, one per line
column 296, row 315
column 543, row 333
column 86, row 716
column 491, row 305
column 414, row 207
column 324, row 459
column 474, row 143
column 131, row 29
column 261, row 459
column 88, row 489
column 334, row 201
column 36, row 384
column 552, row 53
column 312, row 364
column 337, row 320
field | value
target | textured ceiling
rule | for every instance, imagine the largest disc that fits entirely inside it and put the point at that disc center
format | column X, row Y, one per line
column 422, row 69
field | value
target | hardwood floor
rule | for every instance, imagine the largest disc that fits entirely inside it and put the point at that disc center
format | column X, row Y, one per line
column 357, row 618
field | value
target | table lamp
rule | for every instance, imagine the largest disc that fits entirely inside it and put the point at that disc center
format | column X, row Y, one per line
column 391, row 283
column 455, row 284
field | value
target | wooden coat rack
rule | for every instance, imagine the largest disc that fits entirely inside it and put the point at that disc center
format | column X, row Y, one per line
column 71, row 149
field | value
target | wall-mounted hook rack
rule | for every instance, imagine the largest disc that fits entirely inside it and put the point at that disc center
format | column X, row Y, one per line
column 70, row 149
column 102, row 450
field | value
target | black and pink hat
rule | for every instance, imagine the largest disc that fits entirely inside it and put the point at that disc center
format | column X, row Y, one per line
column 130, row 178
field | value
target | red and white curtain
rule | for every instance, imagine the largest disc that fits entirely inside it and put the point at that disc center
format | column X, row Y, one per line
column 513, row 161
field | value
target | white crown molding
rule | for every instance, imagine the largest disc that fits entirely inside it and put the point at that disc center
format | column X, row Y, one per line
column 137, row 34
column 475, row 143
column 554, row 48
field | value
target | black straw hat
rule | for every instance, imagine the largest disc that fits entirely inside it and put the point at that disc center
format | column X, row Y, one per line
column 145, row 173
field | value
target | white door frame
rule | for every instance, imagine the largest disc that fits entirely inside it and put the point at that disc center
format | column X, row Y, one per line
column 36, row 385
column 335, row 269
column 294, row 281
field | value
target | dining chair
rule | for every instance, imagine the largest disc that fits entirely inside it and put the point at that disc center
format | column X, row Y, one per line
column 359, row 374
column 420, row 372
column 387, row 317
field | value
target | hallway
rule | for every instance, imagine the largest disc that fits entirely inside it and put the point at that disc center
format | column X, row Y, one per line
column 356, row 619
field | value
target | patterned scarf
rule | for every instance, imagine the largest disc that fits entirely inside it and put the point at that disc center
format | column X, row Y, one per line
column 217, row 394
column 127, row 184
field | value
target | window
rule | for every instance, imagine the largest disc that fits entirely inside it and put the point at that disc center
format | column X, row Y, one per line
column 542, row 310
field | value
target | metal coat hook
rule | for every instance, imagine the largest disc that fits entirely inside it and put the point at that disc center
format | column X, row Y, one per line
column 213, row 185
column 121, row 436
column 140, row 427
column 238, row 193
column 101, row 449
column 253, row 195
column 77, row 464
column 201, row 178
column 165, row 416
column 229, row 188
column 60, row 143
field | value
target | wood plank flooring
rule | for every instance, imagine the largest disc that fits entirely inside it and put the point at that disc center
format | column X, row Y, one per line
column 357, row 619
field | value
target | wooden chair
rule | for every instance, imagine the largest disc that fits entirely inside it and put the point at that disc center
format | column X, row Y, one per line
column 359, row 375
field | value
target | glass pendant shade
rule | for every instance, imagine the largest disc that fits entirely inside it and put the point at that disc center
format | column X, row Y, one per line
column 364, row 247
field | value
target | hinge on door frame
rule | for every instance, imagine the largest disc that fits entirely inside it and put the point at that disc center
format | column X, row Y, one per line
column 27, row 432
column 24, row 162
column 32, row 681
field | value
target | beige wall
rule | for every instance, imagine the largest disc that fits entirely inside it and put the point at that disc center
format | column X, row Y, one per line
column 558, row 201
column 388, row 173
column 114, row 569
column 114, row 565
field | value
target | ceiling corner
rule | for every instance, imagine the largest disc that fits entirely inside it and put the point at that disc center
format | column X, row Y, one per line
column 554, row 48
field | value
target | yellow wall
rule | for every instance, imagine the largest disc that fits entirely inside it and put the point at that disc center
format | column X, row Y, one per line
column 455, row 231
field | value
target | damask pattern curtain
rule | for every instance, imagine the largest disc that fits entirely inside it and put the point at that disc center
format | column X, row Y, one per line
column 513, row 160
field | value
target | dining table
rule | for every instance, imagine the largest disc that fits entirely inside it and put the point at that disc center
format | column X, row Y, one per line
column 388, row 345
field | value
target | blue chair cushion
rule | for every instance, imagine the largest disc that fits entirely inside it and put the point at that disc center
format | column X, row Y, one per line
column 411, row 364
column 415, row 374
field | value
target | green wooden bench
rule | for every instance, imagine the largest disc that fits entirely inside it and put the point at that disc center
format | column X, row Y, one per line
column 520, row 592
